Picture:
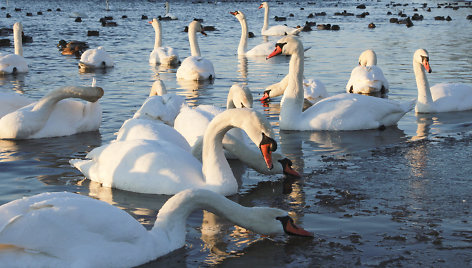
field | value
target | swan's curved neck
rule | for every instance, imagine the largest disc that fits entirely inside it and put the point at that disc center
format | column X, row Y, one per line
column 292, row 100
column 266, row 18
column 192, row 38
column 424, row 92
column 46, row 103
column 17, row 41
column 172, row 217
column 158, row 36
column 242, row 48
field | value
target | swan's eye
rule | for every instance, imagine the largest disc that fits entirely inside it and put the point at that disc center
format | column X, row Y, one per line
column 281, row 45
column 423, row 58
column 271, row 142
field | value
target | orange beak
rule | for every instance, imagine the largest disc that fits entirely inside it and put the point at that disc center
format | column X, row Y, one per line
column 426, row 66
column 233, row 13
column 203, row 33
column 261, row 6
column 150, row 22
column 267, row 154
column 265, row 97
column 291, row 228
column 277, row 51
column 290, row 171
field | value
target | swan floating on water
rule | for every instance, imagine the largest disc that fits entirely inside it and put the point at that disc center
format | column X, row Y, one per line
column 367, row 77
column 63, row 229
column 96, row 58
column 14, row 63
column 339, row 112
column 166, row 56
column 278, row 29
column 442, row 97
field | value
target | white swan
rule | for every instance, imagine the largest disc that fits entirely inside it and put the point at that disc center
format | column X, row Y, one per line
column 96, row 58
column 441, row 97
column 160, row 105
column 160, row 55
column 195, row 67
column 367, row 77
column 313, row 90
column 161, row 167
column 260, row 50
column 53, row 116
column 278, row 29
column 169, row 16
column 14, row 63
column 339, row 112
column 69, row 230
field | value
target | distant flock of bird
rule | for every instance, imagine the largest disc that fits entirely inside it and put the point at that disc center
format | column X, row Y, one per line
column 168, row 147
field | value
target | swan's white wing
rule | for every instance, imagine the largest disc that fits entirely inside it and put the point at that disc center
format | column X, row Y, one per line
column 263, row 49
column 366, row 79
column 163, row 108
column 10, row 62
column 196, row 68
column 452, row 97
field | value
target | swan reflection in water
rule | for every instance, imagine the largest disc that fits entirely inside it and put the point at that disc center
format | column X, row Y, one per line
column 192, row 90
column 16, row 82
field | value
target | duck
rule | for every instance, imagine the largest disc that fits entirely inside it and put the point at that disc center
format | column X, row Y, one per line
column 96, row 58
column 260, row 50
column 161, row 167
column 235, row 143
column 54, row 115
column 165, row 56
column 72, row 48
column 33, row 233
column 14, row 63
column 313, row 91
column 367, row 77
column 195, row 67
column 278, row 29
column 339, row 112
column 440, row 98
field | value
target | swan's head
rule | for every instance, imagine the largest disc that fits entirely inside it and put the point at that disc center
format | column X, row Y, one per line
column 368, row 58
column 17, row 27
column 421, row 56
column 239, row 15
column 196, row 26
column 270, row 221
column 239, row 96
column 264, row 5
column 154, row 22
column 287, row 45
column 287, row 168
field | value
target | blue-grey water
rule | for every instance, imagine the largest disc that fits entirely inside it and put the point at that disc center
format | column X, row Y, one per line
column 373, row 198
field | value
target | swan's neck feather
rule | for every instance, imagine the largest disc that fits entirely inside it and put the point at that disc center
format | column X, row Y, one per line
column 192, row 38
column 292, row 100
column 242, row 48
column 167, row 8
column 266, row 18
column 17, row 40
column 172, row 217
column 158, row 37
column 424, row 93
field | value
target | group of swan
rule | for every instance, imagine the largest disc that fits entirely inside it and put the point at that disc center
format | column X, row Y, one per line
column 36, row 231
column 14, row 63
column 53, row 115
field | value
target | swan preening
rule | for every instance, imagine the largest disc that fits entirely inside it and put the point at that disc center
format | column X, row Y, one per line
column 162, row 167
column 36, row 231
column 339, row 112
column 195, row 67
column 96, row 58
column 367, row 77
column 278, row 29
column 160, row 55
column 14, row 63
column 53, row 115
column 441, row 97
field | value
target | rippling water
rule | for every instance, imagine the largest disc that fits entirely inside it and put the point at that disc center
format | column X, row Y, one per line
column 35, row 166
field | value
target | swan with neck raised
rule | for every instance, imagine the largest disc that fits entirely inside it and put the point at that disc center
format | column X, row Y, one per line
column 260, row 50
column 14, row 63
column 53, row 116
column 36, row 231
column 168, row 15
column 367, row 77
column 195, row 67
column 339, row 112
column 95, row 58
column 442, row 97
column 161, row 167
column 313, row 91
column 278, row 29
column 165, row 56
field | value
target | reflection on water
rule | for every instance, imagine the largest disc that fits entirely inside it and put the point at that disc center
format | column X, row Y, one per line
column 442, row 123
column 14, row 82
column 193, row 90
